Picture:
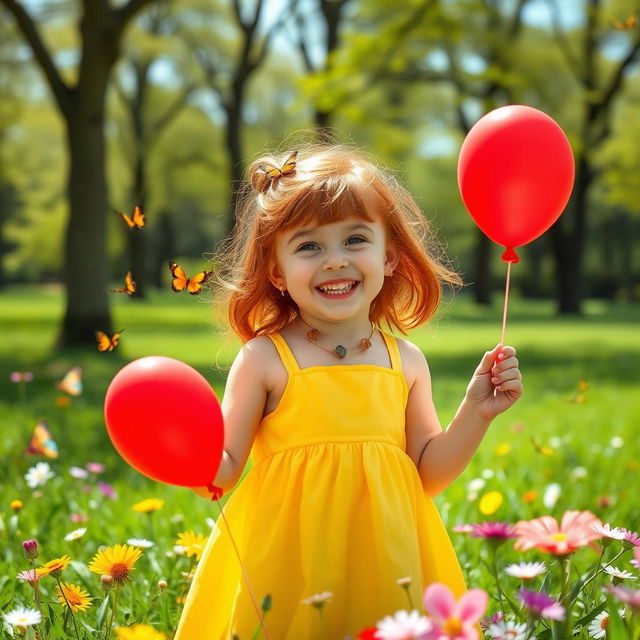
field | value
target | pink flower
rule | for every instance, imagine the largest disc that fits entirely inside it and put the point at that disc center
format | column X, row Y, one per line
column 463, row 528
column 543, row 533
column 78, row 517
column 29, row 575
column 636, row 558
column 487, row 621
column 94, row 467
column 107, row 490
column 607, row 532
column 632, row 537
column 403, row 626
column 454, row 620
column 628, row 596
column 493, row 530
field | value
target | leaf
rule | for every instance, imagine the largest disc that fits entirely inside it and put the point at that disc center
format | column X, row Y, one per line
column 102, row 611
column 616, row 629
column 81, row 569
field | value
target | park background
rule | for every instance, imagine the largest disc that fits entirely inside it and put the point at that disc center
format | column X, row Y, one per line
column 106, row 105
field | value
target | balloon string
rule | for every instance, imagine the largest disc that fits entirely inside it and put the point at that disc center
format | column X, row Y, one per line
column 244, row 573
column 506, row 300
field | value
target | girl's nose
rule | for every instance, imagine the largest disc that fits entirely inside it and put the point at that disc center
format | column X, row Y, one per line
column 335, row 262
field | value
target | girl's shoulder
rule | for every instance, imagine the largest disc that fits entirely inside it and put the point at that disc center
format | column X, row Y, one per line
column 412, row 359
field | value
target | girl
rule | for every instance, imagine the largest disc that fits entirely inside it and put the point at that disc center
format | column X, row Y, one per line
column 336, row 413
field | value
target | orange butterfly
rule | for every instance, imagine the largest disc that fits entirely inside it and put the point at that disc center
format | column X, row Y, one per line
column 287, row 168
column 129, row 285
column 180, row 282
column 41, row 442
column 106, row 343
column 629, row 23
column 72, row 382
column 136, row 219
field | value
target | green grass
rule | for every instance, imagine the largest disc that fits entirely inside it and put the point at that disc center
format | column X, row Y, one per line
column 601, row 347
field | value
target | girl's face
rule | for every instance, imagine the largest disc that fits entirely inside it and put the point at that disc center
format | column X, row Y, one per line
column 333, row 272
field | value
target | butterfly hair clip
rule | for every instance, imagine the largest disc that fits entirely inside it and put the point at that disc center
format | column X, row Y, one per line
column 274, row 172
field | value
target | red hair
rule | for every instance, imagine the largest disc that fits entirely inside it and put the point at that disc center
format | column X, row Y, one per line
column 325, row 187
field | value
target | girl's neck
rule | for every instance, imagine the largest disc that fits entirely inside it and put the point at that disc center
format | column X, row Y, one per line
column 346, row 332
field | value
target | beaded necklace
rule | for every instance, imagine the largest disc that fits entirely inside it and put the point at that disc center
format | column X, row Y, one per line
column 339, row 350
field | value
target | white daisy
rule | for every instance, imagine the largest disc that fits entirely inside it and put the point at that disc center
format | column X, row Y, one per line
column 476, row 484
column 598, row 626
column 77, row 472
column 617, row 573
column 23, row 617
column 507, row 630
column 403, row 626
column 577, row 473
column 143, row 543
column 607, row 532
column 179, row 550
column 488, row 473
column 616, row 442
column 318, row 599
column 551, row 495
column 526, row 570
column 38, row 475
column 74, row 535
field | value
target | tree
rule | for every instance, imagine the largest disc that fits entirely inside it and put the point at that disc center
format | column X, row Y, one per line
column 82, row 107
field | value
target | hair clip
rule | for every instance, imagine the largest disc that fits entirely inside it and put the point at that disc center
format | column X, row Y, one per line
column 287, row 168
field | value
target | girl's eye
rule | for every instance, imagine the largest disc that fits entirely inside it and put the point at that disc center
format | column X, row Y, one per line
column 314, row 245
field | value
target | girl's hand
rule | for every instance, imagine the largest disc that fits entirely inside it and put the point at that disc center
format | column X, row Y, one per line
column 497, row 370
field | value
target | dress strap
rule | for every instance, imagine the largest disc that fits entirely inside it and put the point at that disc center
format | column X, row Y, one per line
column 394, row 352
column 284, row 351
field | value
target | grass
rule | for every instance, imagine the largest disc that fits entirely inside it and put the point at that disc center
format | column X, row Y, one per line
column 598, row 432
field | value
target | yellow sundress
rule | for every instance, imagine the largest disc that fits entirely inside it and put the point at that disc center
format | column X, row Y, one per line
column 332, row 503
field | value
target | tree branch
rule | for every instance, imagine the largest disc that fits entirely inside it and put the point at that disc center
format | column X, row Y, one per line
column 165, row 119
column 127, row 11
column 572, row 61
column 61, row 91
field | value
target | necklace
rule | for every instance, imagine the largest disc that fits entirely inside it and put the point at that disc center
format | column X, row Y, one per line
column 339, row 350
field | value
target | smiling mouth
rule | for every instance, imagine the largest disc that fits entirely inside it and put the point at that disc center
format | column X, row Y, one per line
column 337, row 291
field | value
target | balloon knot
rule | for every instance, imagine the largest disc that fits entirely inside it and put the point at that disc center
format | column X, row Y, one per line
column 216, row 492
column 510, row 255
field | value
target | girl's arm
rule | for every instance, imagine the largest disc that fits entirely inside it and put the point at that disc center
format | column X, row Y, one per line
column 243, row 405
column 441, row 456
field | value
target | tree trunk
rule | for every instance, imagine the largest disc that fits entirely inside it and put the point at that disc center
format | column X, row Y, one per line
column 234, row 152
column 482, row 275
column 137, row 237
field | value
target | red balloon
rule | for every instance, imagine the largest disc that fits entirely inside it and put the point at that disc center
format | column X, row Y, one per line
column 515, row 175
column 165, row 420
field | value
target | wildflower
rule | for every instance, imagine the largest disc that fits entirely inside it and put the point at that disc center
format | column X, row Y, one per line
column 63, row 401
column 30, row 575
column 503, row 448
column 138, row 632
column 404, row 581
column 78, row 517
column 53, row 567
column 16, row 505
column 148, row 505
column 500, row 530
column 541, row 605
column 490, row 502
column 178, row 550
column 403, row 626
column 21, row 376
column 38, row 475
column 140, row 542
column 617, row 573
column 116, row 561
column 162, row 585
column 23, row 617
column 94, row 467
column 525, row 570
column 487, row 621
column 551, row 495
column 636, row 558
column 107, row 490
column 106, row 581
column 317, row 600
column 631, row 539
column 193, row 543
column 598, row 626
column 604, row 502
column 616, row 442
column 74, row 535
column 529, row 496
column 476, row 484
column 545, row 534
column 78, row 473
column 508, row 631
column 577, row 473
column 628, row 596
column 606, row 531
column 30, row 548
column 450, row 618
column 76, row 598
column 463, row 528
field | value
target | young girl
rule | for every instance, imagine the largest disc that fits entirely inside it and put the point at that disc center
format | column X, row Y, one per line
column 337, row 413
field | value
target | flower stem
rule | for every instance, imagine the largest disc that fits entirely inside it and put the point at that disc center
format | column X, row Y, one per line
column 406, row 588
column 113, row 613
column 494, row 569
column 69, row 610
column 598, row 570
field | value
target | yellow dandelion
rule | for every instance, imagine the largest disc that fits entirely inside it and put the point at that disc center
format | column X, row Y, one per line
column 76, row 597
column 193, row 543
column 148, row 505
column 490, row 502
column 138, row 632
column 53, row 566
column 530, row 496
column 116, row 561
column 16, row 505
column 503, row 448
column 583, row 385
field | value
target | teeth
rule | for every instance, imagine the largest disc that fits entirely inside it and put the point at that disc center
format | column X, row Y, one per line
column 337, row 289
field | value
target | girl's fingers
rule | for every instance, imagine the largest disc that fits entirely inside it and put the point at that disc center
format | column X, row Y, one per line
column 510, row 385
column 509, row 374
column 503, row 365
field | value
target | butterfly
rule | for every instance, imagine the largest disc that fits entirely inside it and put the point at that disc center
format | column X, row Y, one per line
column 545, row 451
column 41, row 442
column 136, row 219
column 623, row 25
column 180, row 282
column 106, row 343
column 287, row 168
column 72, row 382
column 129, row 285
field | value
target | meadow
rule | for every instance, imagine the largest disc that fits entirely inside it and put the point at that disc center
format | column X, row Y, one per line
column 568, row 444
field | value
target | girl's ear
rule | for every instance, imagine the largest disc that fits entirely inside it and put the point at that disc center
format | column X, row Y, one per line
column 275, row 275
column 392, row 257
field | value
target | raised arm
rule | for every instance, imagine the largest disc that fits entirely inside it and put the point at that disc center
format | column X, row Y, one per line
column 243, row 405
